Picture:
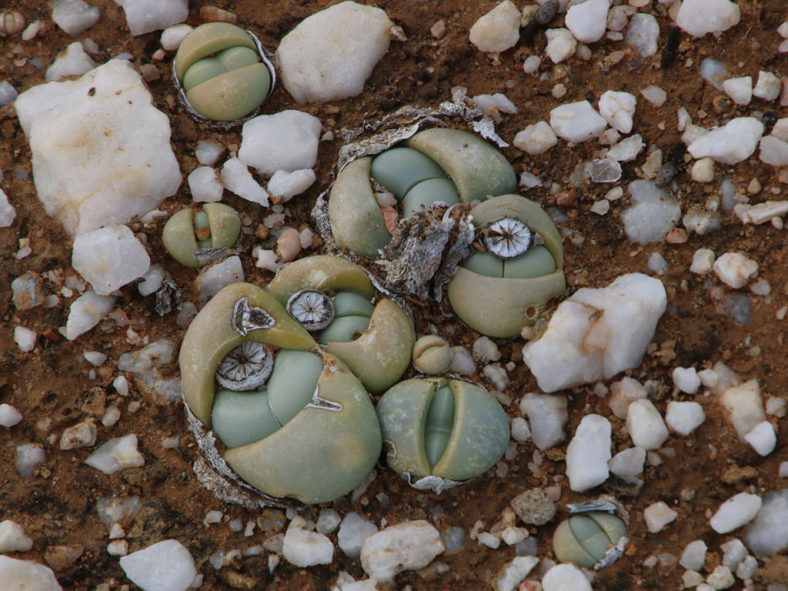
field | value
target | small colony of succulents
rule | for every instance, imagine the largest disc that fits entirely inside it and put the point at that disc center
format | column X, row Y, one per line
column 283, row 375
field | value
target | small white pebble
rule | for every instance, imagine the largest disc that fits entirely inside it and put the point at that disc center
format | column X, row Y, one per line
column 118, row 548
column 734, row 269
column 25, row 338
column 170, row 442
column 111, row 416
column 658, row 515
column 531, row 64
column 116, row 532
column 601, row 207
column 171, row 37
column 520, row 430
column 212, row 517
column 720, row 578
column 702, row 170
column 782, row 471
column 489, row 540
column 702, row 261
column 686, row 379
column 121, row 385
column 95, row 358
column 762, row 438
column 9, row 416
column 655, row 95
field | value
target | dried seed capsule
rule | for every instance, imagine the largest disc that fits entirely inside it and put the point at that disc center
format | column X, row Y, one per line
column 246, row 367
column 312, row 308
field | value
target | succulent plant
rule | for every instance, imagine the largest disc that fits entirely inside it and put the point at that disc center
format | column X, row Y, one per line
column 432, row 355
column 438, row 164
column 586, row 538
column 218, row 67
column 216, row 226
column 374, row 341
column 303, row 426
column 500, row 291
column 442, row 427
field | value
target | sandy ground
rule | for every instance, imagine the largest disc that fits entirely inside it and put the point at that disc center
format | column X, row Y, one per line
column 57, row 504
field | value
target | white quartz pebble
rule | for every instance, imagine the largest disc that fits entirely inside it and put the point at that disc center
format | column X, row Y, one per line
column 25, row 338
column 628, row 462
column 694, row 555
column 205, row 185
column 577, row 122
column 588, row 453
column 652, row 214
column 352, row 533
column 116, row 454
column 164, row 566
column 734, row 552
column 13, row 538
column 729, row 144
column 684, row 417
column 304, row 548
column 7, row 211
column 702, row 261
column 498, row 30
column 565, row 577
column 74, row 16
column 773, row 151
column 720, row 578
column 171, row 37
column 144, row 16
column 744, row 405
column 739, row 89
column 9, row 416
column 151, row 281
column 535, row 139
column 82, row 434
column 297, row 135
column 658, row 515
column 327, row 521
column 735, row 269
column 618, row 109
column 588, row 20
column 237, row 178
column 627, row 149
column 561, row 45
column 208, row 152
column 86, row 312
column 29, row 456
column 699, row 17
column 686, row 379
column 329, row 55
column 286, row 185
column 655, row 95
column 515, row 571
column 97, row 180
column 767, row 87
column 767, row 534
column 409, row 545
column 547, row 415
column 109, row 258
column 643, row 34
column 519, row 428
column 762, row 438
column 597, row 333
column 24, row 574
column 735, row 512
column 72, row 62
column 214, row 278
column 645, row 425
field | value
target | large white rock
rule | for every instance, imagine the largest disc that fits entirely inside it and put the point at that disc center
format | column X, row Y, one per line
column 144, row 16
column 101, row 151
column 597, row 333
column 409, row 545
column 330, row 54
column 304, row 548
column 116, row 454
column 109, row 258
column 286, row 141
column 352, row 533
column 18, row 575
column 652, row 214
column 729, row 144
column 735, row 512
column 86, row 312
column 164, row 566
column 577, row 122
column 698, row 17
column 645, row 425
column 588, row 453
column 588, row 20
column 767, row 534
column 498, row 30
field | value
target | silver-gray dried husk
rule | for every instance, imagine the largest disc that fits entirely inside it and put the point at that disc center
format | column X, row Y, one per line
column 606, row 503
column 435, row 484
column 613, row 553
column 214, row 474
column 426, row 249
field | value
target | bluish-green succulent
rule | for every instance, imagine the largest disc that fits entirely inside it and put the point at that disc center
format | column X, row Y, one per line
column 585, row 538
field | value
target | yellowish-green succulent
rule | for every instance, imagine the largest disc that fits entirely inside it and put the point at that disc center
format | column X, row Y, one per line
column 441, row 427
column 585, row 538
column 216, row 226
column 374, row 341
column 306, row 429
column 435, row 165
column 219, row 69
column 500, row 291
column 432, row 355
